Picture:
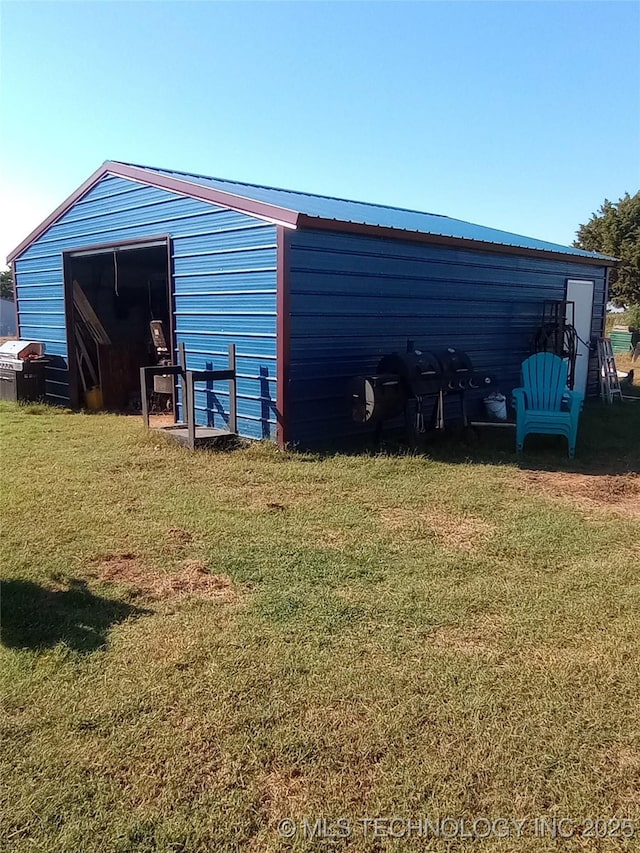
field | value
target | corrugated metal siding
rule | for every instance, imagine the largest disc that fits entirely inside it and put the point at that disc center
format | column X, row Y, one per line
column 355, row 298
column 224, row 284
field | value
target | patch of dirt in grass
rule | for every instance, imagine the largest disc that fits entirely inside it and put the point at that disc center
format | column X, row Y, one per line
column 622, row 764
column 481, row 639
column 285, row 791
column 125, row 566
column 179, row 536
column 292, row 791
column 195, row 579
column 160, row 420
column 627, row 760
column 192, row 580
column 625, row 364
column 617, row 493
column 452, row 529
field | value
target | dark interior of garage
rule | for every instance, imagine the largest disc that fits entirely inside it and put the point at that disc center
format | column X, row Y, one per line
column 116, row 293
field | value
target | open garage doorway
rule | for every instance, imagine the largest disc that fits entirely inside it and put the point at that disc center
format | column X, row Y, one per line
column 113, row 293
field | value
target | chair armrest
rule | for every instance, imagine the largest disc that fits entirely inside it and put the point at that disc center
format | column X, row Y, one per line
column 575, row 399
column 521, row 400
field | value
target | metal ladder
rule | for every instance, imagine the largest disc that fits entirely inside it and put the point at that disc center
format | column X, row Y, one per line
column 609, row 383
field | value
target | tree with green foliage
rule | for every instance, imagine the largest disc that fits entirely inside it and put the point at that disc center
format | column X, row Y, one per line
column 6, row 284
column 615, row 230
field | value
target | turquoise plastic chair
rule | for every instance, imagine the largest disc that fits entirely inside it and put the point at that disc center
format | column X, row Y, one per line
column 544, row 405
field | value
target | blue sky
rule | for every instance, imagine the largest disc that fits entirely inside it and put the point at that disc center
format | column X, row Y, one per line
column 522, row 116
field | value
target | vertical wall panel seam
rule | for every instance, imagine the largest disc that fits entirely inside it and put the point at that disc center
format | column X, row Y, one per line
column 283, row 325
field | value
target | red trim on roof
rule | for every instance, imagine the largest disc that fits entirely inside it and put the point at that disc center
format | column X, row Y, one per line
column 284, row 217
column 306, row 221
column 57, row 213
column 263, row 210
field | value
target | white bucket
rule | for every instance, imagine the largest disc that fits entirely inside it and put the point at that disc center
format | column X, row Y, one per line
column 496, row 406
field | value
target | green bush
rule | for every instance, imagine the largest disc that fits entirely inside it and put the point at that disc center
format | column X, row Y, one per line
column 632, row 315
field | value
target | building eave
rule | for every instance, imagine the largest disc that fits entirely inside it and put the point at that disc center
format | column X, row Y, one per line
column 57, row 213
column 285, row 217
column 262, row 210
column 306, row 221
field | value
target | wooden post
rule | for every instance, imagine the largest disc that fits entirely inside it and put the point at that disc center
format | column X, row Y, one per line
column 191, row 409
column 182, row 361
column 143, row 396
column 233, row 410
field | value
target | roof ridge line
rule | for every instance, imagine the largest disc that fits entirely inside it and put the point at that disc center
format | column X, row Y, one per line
column 181, row 176
column 282, row 214
column 284, row 190
column 445, row 216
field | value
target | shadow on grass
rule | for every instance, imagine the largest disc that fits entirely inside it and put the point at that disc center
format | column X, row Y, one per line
column 608, row 444
column 34, row 617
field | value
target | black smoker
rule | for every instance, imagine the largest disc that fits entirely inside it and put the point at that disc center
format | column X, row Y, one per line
column 420, row 377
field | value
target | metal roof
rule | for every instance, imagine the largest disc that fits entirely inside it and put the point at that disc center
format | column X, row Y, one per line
column 328, row 208
column 293, row 209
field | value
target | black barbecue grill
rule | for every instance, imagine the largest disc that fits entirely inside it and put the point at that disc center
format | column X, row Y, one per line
column 417, row 377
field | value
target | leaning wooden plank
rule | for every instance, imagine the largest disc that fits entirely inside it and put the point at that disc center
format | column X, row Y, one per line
column 89, row 315
column 80, row 373
column 83, row 350
column 84, row 321
column 96, row 333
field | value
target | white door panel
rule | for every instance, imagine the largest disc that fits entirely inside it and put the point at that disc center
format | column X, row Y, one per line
column 580, row 292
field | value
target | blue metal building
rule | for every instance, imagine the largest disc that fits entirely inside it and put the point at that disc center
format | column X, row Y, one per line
column 312, row 290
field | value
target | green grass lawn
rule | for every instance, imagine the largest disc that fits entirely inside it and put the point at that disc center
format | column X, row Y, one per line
column 195, row 646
